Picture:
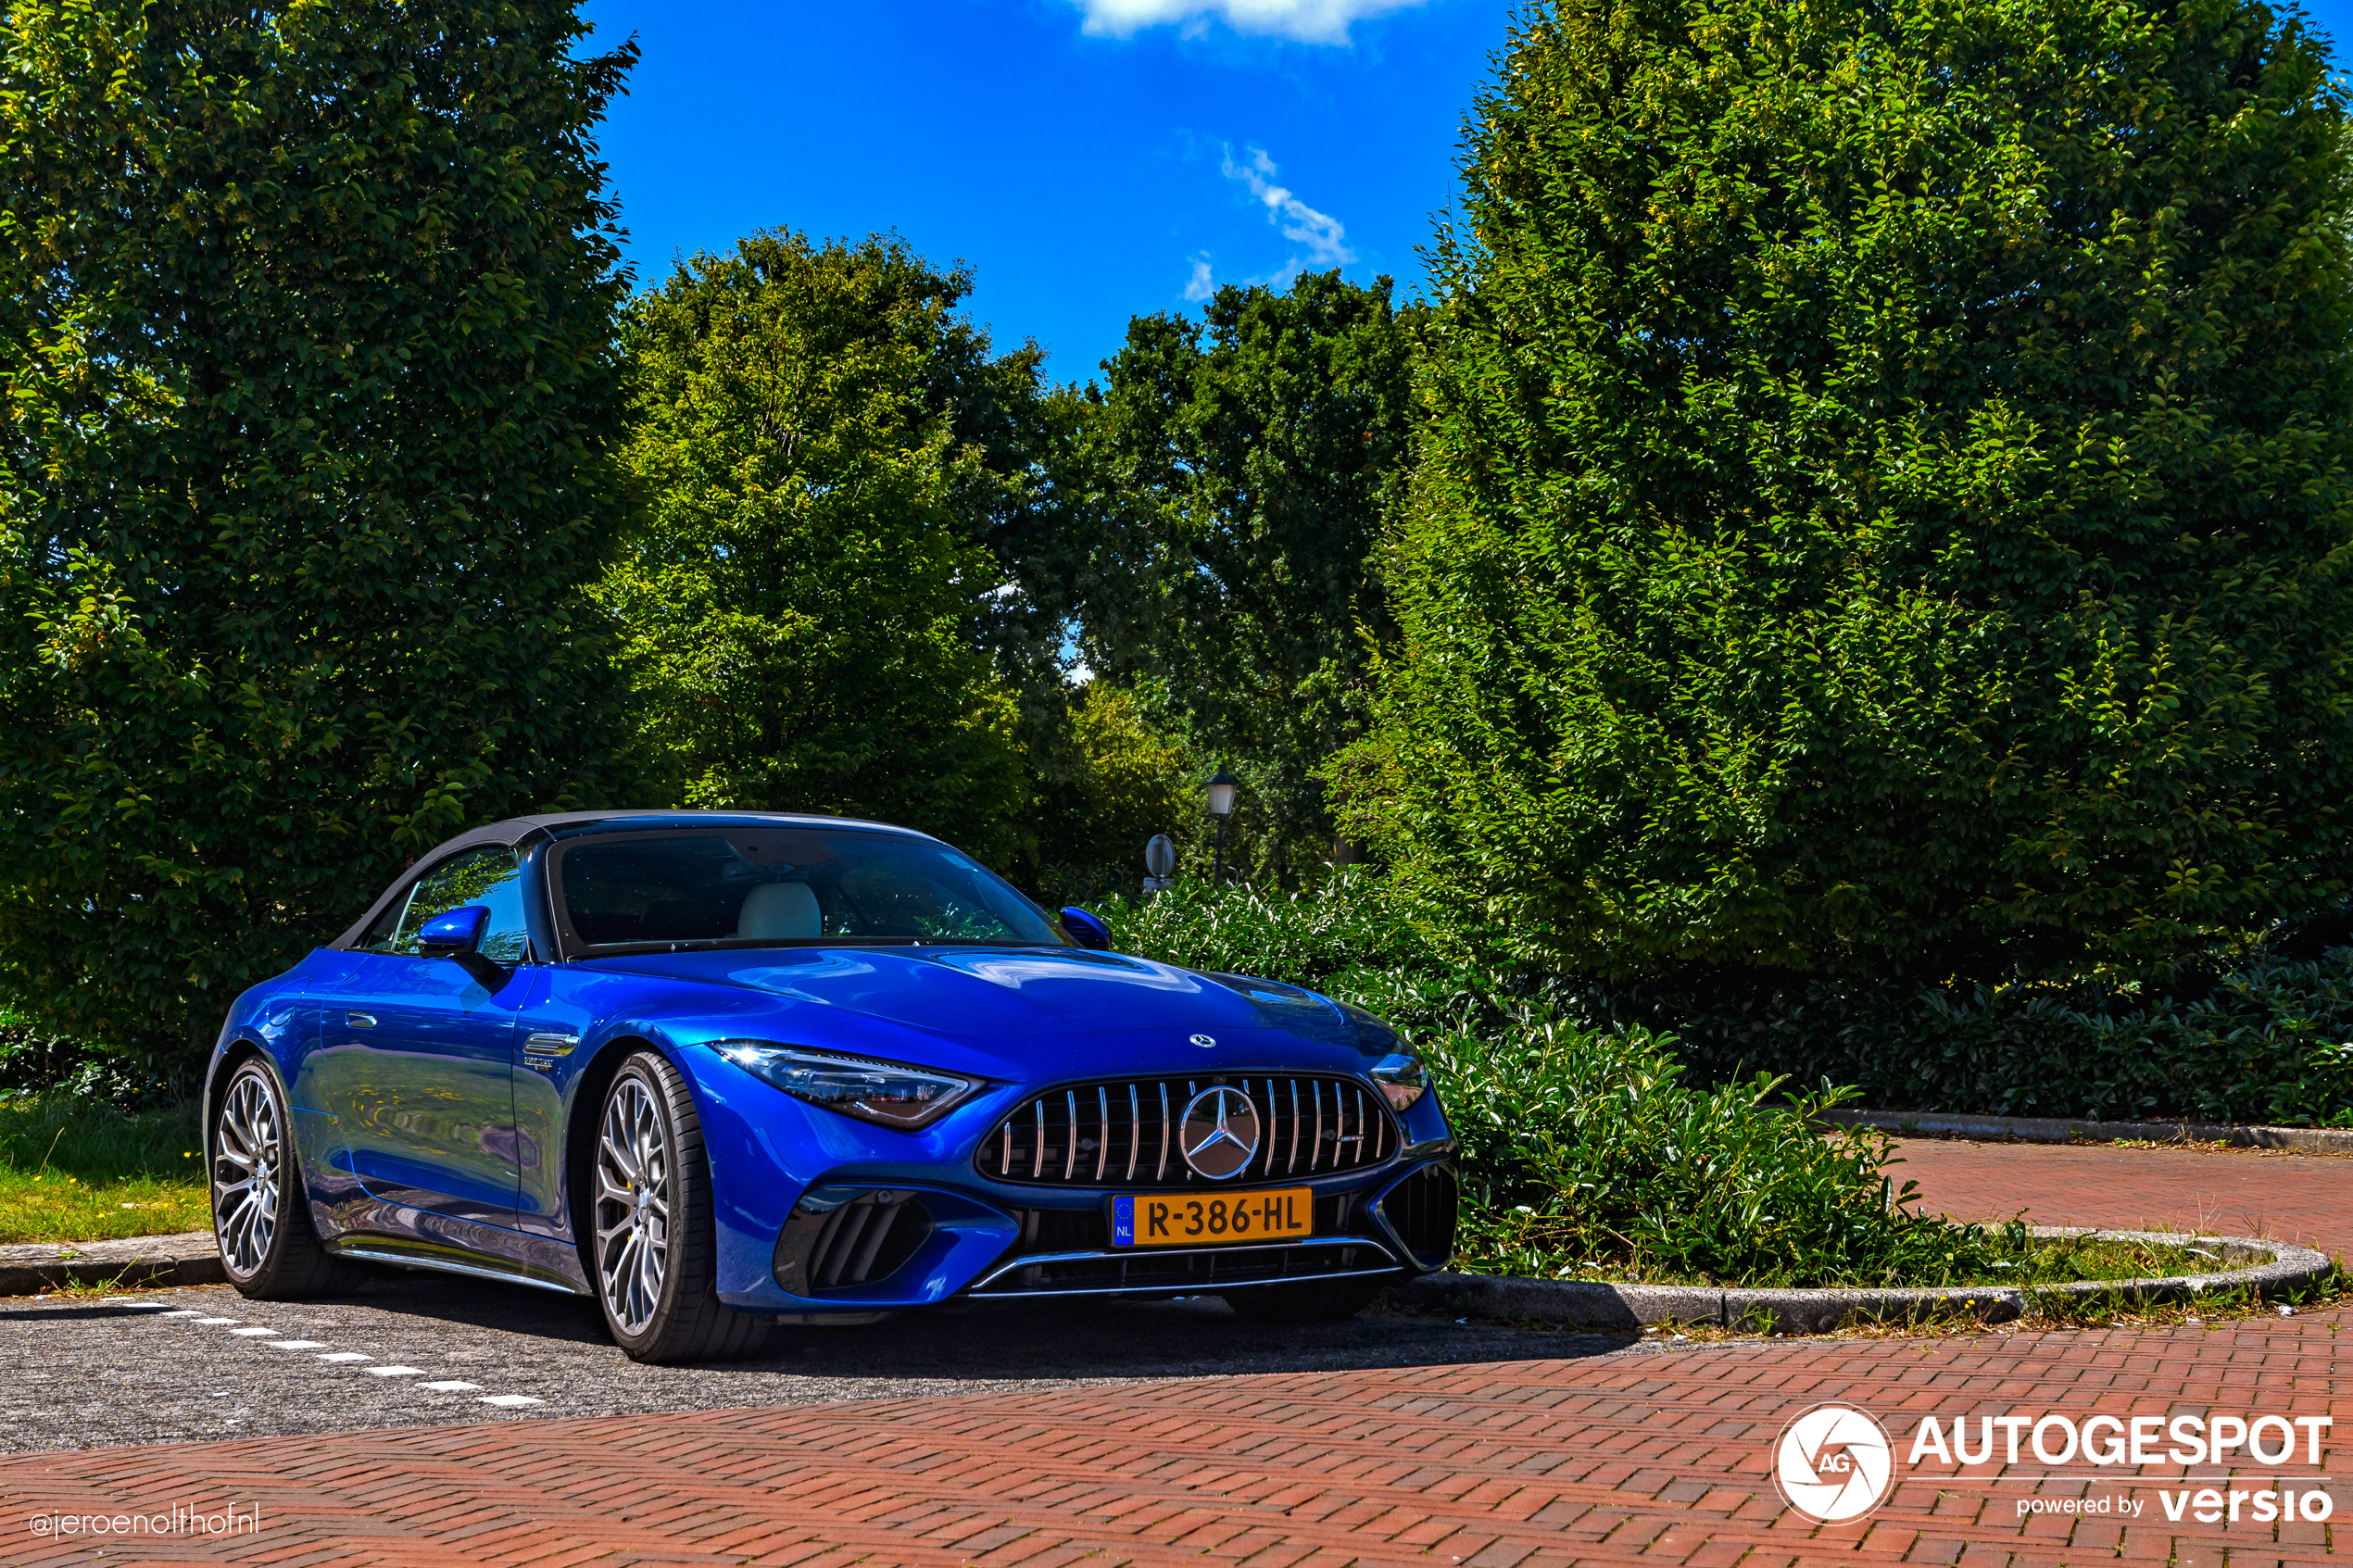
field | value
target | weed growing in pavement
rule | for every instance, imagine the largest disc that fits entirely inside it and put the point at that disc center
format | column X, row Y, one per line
column 77, row 1290
column 75, row 1169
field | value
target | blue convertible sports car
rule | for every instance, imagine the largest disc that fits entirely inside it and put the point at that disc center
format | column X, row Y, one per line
column 724, row 1070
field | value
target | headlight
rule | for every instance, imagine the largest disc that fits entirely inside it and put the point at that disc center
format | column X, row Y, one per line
column 1400, row 1078
column 882, row 1092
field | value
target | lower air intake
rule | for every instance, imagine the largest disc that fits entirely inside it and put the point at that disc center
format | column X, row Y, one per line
column 841, row 1238
column 1421, row 1211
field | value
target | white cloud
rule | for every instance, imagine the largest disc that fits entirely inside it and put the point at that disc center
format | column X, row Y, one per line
column 1322, row 234
column 1309, row 21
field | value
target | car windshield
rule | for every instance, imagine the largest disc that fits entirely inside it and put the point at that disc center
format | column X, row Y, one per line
column 780, row 886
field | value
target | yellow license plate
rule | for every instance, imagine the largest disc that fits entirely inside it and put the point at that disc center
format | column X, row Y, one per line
column 1207, row 1219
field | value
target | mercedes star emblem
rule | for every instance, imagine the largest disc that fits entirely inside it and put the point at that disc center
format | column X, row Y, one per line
column 1220, row 1133
column 1203, row 1041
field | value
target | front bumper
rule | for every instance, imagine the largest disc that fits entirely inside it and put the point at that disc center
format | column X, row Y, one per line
column 801, row 1195
column 857, row 1245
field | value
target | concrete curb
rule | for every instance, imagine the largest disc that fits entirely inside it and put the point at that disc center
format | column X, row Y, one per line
column 1598, row 1304
column 189, row 1257
column 2048, row 1129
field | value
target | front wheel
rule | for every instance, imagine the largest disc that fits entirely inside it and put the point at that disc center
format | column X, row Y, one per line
column 656, row 1255
column 1305, row 1300
column 260, row 1218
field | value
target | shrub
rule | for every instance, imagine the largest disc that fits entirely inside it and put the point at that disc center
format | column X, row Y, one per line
column 1355, row 933
column 1885, row 493
column 1584, row 1151
column 1582, row 1147
column 37, row 1060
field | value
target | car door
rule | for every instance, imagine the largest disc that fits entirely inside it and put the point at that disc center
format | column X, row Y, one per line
column 416, row 1058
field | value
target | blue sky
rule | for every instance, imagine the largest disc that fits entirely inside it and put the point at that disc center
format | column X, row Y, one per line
column 1093, row 160
column 1088, row 157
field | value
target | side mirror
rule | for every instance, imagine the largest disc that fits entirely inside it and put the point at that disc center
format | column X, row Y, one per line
column 447, row 935
column 455, row 936
column 1086, row 929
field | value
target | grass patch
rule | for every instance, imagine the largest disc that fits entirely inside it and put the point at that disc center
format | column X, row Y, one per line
column 2048, row 1312
column 76, row 1170
column 2014, row 1259
column 2078, row 1258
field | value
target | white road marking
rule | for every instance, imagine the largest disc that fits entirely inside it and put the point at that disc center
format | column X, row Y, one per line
column 345, row 1358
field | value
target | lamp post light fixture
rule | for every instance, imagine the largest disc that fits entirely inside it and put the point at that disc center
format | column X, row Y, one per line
column 1221, row 806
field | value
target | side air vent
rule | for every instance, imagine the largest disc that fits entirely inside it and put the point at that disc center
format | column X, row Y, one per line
column 840, row 1238
column 1421, row 1210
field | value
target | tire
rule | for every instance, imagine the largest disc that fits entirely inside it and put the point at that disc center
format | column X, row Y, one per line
column 1306, row 1302
column 260, row 1213
column 653, row 1254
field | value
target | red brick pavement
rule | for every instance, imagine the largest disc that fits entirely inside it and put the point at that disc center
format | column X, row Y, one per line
column 2236, row 1192
column 1654, row 1458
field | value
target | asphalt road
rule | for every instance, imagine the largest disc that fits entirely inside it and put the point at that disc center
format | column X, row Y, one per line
column 407, row 1350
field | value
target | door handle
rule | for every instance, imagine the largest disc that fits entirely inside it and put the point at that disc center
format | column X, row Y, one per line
column 360, row 1020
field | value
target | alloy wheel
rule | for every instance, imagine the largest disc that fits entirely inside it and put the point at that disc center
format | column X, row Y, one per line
column 246, row 1183
column 633, row 1206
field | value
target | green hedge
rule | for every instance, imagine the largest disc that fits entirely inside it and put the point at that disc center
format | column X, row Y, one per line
column 2270, row 1040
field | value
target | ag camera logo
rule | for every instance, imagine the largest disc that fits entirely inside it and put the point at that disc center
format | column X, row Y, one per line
column 1833, row 1464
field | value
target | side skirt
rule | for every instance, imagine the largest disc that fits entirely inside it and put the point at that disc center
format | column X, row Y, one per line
column 450, row 1260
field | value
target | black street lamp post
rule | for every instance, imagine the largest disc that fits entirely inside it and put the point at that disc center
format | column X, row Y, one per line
column 1221, row 806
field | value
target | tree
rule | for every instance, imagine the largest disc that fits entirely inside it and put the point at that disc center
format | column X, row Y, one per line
column 1109, row 782
column 305, row 333
column 1886, row 497
column 1249, row 457
column 825, row 451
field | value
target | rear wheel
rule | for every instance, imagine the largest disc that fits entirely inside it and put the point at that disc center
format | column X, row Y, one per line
column 260, row 1217
column 655, row 1252
column 1305, row 1300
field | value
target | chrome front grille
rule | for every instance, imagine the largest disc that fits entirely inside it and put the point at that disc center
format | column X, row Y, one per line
column 1123, row 1132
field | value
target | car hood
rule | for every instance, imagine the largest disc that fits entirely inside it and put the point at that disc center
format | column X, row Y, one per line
column 1007, row 991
